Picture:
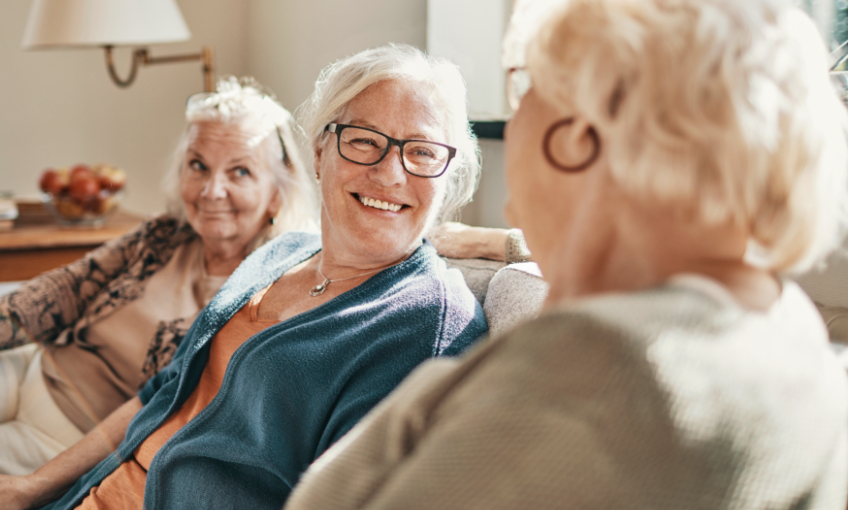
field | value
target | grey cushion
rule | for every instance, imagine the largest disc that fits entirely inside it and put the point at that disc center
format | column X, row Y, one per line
column 516, row 294
column 509, row 293
column 478, row 273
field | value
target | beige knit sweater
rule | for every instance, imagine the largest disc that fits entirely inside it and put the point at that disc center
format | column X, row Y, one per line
column 670, row 398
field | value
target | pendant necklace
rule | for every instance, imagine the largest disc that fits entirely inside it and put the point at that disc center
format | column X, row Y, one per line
column 319, row 289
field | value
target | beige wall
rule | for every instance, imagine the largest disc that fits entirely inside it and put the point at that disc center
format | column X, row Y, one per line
column 59, row 108
column 291, row 41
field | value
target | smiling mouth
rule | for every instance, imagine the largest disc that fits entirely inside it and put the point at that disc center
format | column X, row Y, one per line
column 379, row 204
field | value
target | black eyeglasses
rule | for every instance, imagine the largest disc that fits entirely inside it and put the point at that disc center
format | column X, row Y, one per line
column 365, row 146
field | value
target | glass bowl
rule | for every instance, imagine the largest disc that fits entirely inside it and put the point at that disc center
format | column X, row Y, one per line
column 92, row 212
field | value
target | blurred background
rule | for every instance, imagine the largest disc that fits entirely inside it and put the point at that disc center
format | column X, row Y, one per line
column 59, row 107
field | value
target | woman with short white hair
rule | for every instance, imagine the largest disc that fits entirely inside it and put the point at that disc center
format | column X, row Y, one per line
column 672, row 163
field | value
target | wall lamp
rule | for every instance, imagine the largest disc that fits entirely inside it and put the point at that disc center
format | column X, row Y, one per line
column 110, row 23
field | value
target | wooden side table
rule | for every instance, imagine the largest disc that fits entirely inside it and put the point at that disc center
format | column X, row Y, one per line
column 36, row 243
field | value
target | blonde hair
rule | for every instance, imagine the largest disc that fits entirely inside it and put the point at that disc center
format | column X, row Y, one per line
column 243, row 103
column 721, row 109
column 343, row 80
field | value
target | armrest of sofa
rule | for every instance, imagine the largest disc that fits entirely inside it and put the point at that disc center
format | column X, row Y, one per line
column 516, row 294
column 509, row 293
column 477, row 273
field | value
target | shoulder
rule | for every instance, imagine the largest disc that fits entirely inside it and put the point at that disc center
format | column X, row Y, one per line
column 426, row 281
column 676, row 332
column 759, row 394
column 425, row 270
column 164, row 230
column 284, row 246
column 154, row 237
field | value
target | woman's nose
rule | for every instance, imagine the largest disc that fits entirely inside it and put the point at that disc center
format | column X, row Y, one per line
column 215, row 187
column 389, row 171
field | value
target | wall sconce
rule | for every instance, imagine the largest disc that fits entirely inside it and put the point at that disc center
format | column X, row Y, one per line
column 109, row 23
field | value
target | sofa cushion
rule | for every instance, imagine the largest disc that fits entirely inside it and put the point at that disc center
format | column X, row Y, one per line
column 509, row 294
column 477, row 273
column 516, row 293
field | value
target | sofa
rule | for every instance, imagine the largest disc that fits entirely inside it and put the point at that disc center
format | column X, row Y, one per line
column 509, row 293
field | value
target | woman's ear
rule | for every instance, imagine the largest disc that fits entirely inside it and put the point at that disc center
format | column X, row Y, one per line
column 572, row 144
column 276, row 203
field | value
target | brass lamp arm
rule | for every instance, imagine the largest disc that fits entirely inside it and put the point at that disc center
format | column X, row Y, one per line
column 141, row 57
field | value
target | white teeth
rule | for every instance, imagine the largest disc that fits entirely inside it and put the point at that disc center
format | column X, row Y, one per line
column 379, row 204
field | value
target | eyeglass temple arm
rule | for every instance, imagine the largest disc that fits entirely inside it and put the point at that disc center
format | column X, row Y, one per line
column 838, row 56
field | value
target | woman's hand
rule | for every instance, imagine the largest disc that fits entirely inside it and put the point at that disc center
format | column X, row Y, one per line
column 460, row 241
column 18, row 492
column 53, row 479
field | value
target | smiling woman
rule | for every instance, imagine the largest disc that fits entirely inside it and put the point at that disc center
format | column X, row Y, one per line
column 107, row 323
column 228, row 193
column 309, row 332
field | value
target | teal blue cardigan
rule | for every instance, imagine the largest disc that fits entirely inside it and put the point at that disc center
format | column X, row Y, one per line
column 295, row 388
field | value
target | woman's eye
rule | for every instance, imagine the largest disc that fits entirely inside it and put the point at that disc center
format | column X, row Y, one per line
column 196, row 164
column 241, row 172
column 363, row 142
column 424, row 152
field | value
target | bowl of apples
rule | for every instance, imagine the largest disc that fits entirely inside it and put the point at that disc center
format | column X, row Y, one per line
column 82, row 196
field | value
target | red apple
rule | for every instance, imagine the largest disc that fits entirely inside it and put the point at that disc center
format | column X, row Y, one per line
column 84, row 189
column 81, row 172
column 53, row 182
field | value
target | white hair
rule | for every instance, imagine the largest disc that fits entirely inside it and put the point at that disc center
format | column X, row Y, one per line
column 243, row 103
column 343, row 80
column 721, row 109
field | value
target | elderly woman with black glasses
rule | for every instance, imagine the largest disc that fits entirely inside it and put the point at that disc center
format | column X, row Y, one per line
column 310, row 332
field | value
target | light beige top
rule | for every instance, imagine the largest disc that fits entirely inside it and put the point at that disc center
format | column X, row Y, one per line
column 672, row 398
column 124, row 349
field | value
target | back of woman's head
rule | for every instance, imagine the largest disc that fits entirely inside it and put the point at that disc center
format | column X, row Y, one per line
column 721, row 110
column 343, row 80
column 243, row 104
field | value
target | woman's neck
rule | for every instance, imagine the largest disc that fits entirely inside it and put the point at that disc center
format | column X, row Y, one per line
column 334, row 266
column 644, row 248
column 221, row 259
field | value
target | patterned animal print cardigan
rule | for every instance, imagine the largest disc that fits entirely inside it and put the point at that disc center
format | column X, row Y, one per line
column 58, row 306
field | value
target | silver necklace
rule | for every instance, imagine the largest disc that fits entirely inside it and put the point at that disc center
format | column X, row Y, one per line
column 319, row 289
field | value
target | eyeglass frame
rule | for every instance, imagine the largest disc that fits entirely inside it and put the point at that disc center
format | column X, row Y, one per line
column 337, row 129
column 512, row 98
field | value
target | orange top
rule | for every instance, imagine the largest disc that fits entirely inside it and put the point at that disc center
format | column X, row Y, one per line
column 124, row 488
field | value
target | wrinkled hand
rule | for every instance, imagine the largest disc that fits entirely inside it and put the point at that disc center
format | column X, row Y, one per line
column 460, row 241
column 17, row 493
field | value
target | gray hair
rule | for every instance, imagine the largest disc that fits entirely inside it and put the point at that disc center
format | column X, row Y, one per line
column 721, row 109
column 343, row 80
column 242, row 102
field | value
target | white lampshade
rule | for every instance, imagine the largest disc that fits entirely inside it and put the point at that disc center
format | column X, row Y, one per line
column 54, row 23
